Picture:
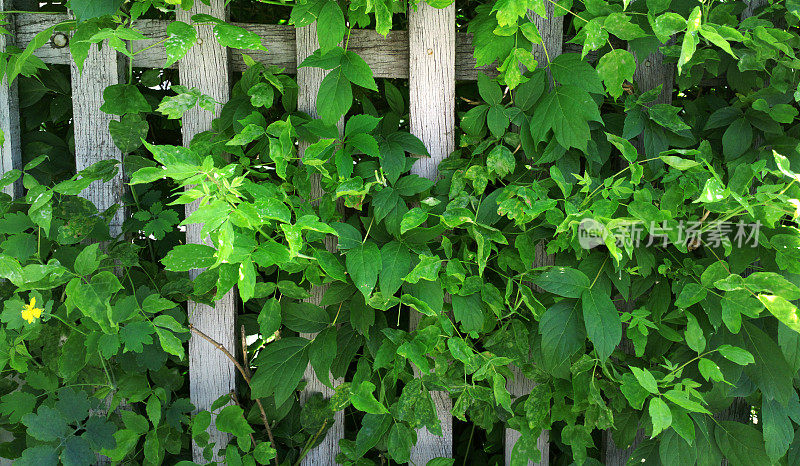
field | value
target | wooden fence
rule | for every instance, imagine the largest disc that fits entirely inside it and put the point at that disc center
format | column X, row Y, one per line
column 431, row 55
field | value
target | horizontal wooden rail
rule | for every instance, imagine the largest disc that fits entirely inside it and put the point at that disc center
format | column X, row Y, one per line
column 386, row 56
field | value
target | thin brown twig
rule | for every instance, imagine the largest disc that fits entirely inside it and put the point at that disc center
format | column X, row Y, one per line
column 244, row 354
column 246, row 379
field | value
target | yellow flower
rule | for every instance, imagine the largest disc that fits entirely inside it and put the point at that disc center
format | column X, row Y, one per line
column 30, row 312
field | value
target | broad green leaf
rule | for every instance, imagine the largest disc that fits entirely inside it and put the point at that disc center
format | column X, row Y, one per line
column 566, row 110
column 468, row 312
column 615, row 68
column 603, row 326
column 181, row 38
column 396, row 264
column 782, row 309
column 563, row 336
column 237, row 37
column 364, row 264
column 660, row 415
column 120, row 99
column 335, row 96
column 280, row 367
column 563, row 281
column 330, row 26
column 185, row 257
column 88, row 9
column 304, row 317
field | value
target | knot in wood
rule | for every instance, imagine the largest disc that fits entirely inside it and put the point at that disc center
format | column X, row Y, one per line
column 59, row 40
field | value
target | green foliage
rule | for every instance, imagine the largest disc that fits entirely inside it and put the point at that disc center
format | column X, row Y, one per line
column 659, row 331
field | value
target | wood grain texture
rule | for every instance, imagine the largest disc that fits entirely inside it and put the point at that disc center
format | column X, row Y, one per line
column 386, row 56
column 308, row 81
column 552, row 31
column 521, row 385
column 211, row 374
column 11, row 149
column 93, row 141
column 432, row 93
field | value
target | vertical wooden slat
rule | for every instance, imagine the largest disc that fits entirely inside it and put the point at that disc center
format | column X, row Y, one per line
column 552, row 31
column 11, row 149
column 308, row 81
column 211, row 374
column 432, row 42
column 93, row 142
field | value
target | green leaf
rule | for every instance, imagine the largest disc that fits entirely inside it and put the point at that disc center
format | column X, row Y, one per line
column 119, row 99
column 468, row 312
column 782, row 309
column 401, row 439
column 181, row 38
column 566, row 110
column 660, row 415
column 335, row 96
column 46, row 424
column 304, row 317
column 237, row 37
column 628, row 151
column 500, row 160
column 364, row 264
column 603, row 326
column 128, row 132
column 330, row 26
column 645, row 379
column 563, row 281
column 88, row 9
column 737, row 139
column 363, row 399
column 280, row 368
column 185, row 257
column 330, row 264
column 396, row 264
column 740, row 443
column 357, row 71
column 231, row 420
column 269, row 319
column 678, row 163
column 615, row 68
column 738, row 355
column 416, row 407
column 321, row 354
column 569, row 69
column 412, row 219
column 563, row 336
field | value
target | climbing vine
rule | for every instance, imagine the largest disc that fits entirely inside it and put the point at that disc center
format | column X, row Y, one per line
column 664, row 316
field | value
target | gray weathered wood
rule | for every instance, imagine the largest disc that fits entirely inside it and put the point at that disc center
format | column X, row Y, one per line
column 308, row 81
column 11, row 149
column 211, row 374
column 521, row 385
column 432, row 70
column 386, row 56
column 93, row 141
column 552, row 31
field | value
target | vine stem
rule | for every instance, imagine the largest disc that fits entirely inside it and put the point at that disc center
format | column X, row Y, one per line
column 246, row 378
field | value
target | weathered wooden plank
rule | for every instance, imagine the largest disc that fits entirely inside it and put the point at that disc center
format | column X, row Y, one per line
column 211, row 374
column 432, row 93
column 11, row 149
column 552, row 31
column 386, row 56
column 308, row 81
column 93, row 142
